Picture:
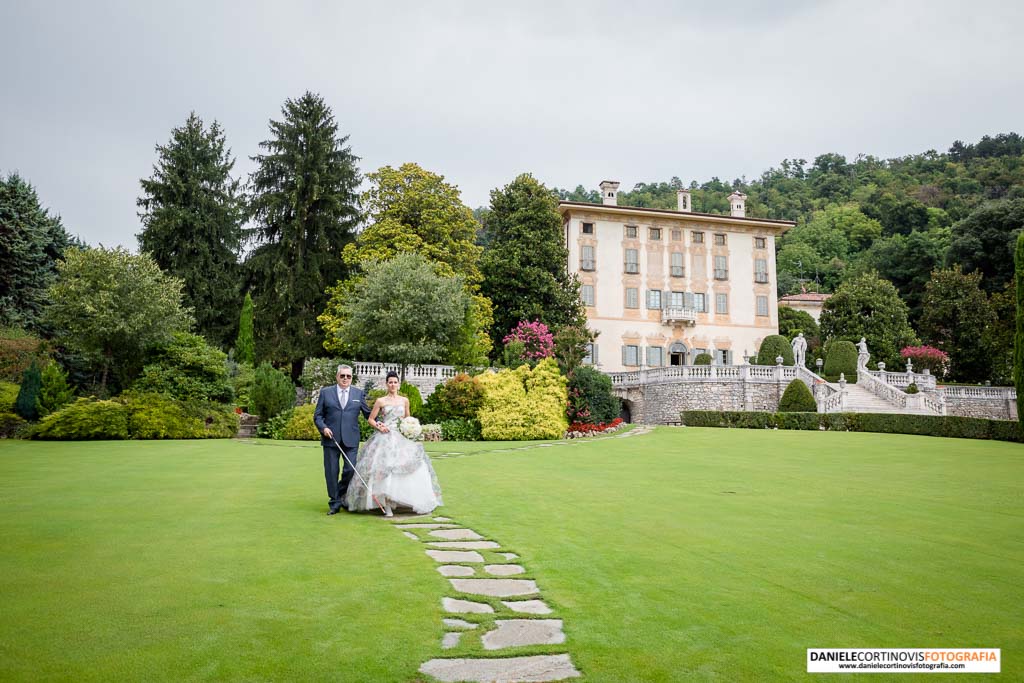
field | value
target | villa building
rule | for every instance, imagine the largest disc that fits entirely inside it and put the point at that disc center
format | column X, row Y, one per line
column 809, row 302
column 662, row 287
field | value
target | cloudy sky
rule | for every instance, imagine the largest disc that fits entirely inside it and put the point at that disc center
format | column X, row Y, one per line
column 573, row 92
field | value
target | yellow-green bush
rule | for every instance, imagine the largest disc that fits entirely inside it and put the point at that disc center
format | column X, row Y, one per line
column 86, row 418
column 300, row 425
column 523, row 403
column 8, row 396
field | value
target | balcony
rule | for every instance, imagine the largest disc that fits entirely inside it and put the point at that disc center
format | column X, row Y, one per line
column 674, row 315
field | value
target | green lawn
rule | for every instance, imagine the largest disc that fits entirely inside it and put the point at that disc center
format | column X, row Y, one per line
column 685, row 554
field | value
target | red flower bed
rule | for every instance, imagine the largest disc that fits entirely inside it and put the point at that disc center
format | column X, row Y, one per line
column 589, row 428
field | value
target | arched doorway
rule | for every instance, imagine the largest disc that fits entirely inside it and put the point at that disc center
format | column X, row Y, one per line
column 677, row 354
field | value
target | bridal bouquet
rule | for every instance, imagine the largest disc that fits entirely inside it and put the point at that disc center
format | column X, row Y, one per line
column 410, row 428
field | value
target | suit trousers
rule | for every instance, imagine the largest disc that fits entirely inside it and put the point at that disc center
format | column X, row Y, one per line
column 334, row 466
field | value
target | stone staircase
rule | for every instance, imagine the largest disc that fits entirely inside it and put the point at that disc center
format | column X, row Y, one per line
column 860, row 400
column 247, row 426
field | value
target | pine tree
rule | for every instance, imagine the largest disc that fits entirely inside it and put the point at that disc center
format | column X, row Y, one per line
column 305, row 207
column 245, row 349
column 54, row 392
column 31, row 243
column 28, row 394
column 524, row 267
column 192, row 217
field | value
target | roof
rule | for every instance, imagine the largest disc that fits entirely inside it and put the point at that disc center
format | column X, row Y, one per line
column 807, row 297
column 615, row 208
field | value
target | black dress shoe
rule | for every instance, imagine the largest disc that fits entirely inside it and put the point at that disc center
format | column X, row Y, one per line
column 332, row 511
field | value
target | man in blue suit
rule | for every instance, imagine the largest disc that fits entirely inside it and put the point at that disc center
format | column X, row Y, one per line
column 337, row 418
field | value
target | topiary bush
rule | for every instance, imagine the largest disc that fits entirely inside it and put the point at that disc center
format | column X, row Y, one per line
column 703, row 359
column 841, row 357
column 459, row 397
column 272, row 392
column 773, row 346
column 188, row 369
column 461, row 429
column 797, row 398
column 299, row 426
column 54, row 391
column 85, row 419
column 912, row 388
column 547, row 396
column 591, row 400
column 502, row 416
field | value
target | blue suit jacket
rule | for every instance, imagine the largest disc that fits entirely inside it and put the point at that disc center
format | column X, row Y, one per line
column 343, row 423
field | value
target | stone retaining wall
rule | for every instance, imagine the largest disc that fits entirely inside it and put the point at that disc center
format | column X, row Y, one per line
column 993, row 409
column 662, row 403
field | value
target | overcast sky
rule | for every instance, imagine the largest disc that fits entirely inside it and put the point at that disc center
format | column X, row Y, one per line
column 573, row 92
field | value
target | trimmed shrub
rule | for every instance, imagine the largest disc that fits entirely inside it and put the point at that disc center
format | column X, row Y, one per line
column 773, row 346
column 299, row 426
column 885, row 423
column 187, row 369
column 272, row 392
column 547, row 396
column 54, row 392
column 459, row 397
column 503, row 414
column 8, row 396
column 797, row 398
column 157, row 416
column 11, row 425
column 461, row 429
column 841, row 357
column 703, row 359
column 28, row 394
column 912, row 388
column 85, row 419
column 591, row 400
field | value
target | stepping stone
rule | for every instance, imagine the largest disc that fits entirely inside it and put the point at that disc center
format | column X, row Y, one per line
column 509, row 556
column 495, row 588
column 455, row 570
column 527, row 606
column 409, row 534
column 442, row 519
column 465, row 545
column 534, row 669
column 459, row 623
column 455, row 556
column 456, row 606
column 519, row 632
column 450, row 640
column 423, row 526
column 457, row 535
column 504, row 569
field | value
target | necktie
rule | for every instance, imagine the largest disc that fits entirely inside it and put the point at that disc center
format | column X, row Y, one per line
column 344, row 397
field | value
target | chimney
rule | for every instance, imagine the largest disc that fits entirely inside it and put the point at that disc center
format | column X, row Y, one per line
column 683, row 200
column 738, row 204
column 610, row 192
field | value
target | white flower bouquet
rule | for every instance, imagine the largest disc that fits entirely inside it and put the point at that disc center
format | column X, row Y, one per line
column 410, row 428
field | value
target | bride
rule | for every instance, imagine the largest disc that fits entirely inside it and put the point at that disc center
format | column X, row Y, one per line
column 396, row 470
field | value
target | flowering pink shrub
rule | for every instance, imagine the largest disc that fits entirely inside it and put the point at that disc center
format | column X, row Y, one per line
column 936, row 361
column 537, row 340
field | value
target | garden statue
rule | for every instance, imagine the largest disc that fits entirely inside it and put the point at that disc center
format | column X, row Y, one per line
column 862, row 354
column 799, row 350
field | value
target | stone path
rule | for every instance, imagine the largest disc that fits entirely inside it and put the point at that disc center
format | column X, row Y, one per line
column 488, row 611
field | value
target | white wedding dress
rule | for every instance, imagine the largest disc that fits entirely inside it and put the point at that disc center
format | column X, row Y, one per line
column 396, row 470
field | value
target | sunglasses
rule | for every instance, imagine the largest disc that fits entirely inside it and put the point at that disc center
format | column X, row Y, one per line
column 345, row 376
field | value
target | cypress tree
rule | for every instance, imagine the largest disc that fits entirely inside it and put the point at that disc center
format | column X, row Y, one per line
column 192, row 223
column 1018, row 339
column 305, row 209
column 245, row 349
column 25, row 405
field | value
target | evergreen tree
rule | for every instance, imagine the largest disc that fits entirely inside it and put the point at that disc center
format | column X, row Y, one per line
column 54, row 392
column 28, row 394
column 245, row 346
column 31, row 243
column 192, row 217
column 1018, row 339
column 305, row 207
column 524, row 267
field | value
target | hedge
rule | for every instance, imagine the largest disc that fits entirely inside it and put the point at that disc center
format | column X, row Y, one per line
column 948, row 426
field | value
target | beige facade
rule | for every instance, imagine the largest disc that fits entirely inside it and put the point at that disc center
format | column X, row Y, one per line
column 663, row 286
